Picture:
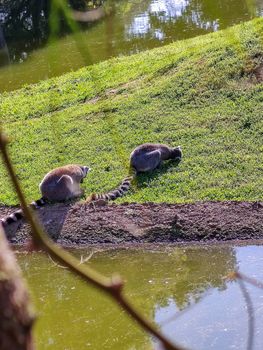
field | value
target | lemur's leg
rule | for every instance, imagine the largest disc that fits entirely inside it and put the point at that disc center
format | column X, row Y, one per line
column 78, row 193
column 75, row 190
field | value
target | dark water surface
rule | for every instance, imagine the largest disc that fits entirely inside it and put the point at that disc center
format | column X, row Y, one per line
column 182, row 289
column 130, row 26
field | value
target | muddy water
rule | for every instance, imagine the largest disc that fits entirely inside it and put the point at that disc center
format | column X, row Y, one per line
column 182, row 289
column 130, row 26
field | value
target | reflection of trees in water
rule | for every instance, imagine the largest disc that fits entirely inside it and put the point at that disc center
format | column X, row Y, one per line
column 168, row 19
column 195, row 271
column 153, row 279
column 200, row 270
column 129, row 26
column 182, row 275
column 224, row 11
column 25, row 23
column 4, row 54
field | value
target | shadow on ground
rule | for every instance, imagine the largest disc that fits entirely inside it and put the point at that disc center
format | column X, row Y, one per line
column 142, row 179
column 85, row 224
column 52, row 218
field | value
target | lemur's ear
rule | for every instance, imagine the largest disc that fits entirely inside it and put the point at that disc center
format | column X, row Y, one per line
column 86, row 170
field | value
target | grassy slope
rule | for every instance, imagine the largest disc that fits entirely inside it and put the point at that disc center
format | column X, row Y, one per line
column 199, row 93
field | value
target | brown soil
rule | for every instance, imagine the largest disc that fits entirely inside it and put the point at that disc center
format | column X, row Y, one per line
column 79, row 225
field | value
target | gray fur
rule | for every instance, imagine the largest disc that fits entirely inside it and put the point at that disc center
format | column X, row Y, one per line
column 149, row 156
column 59, row 184
column 145, row 157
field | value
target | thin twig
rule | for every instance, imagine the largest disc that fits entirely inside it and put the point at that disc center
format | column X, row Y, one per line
column 56, row 264
column 249, row 280
column 84, row 260
column 112, row 286
column 241, row 278
column 250, row 314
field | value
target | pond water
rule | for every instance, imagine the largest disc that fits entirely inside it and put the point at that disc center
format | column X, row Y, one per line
column 181, row 288
column 130, row 26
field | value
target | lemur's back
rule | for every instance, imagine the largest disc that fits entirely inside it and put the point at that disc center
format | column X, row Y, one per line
column 147, row 147
column 148, row 156
column 54, row 175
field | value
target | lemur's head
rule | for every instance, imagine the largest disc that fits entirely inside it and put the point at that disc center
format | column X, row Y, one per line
column 176, row 153
column 85, row 170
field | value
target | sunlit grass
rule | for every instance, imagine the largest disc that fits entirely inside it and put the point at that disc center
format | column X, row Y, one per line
column 199, row 93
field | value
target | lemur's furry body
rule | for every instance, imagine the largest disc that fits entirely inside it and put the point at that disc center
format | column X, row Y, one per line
column 145, row 157
column 63, row 183
column 59, row 184
column 149, row 156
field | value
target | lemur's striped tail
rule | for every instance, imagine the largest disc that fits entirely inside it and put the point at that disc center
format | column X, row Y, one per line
column 18, row 215
column 112, row 195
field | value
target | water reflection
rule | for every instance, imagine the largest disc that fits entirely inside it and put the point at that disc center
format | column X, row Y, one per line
column 26, row 24
column 129, row 26
column 170, row 279
column 156, row 14
column 178, row 19
column 219, row 320
column 4, row 54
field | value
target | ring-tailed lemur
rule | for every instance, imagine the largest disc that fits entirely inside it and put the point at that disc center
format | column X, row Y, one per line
column 59, row 184
column 149, row 156
column 145, row 157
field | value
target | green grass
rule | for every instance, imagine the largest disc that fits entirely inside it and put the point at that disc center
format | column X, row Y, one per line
column 200, row 93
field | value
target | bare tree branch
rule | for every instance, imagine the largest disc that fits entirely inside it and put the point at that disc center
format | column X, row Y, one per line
column 250, row 280
column 250, row 313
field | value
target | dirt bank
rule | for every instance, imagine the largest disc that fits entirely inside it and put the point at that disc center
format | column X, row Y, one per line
column 79, row 225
